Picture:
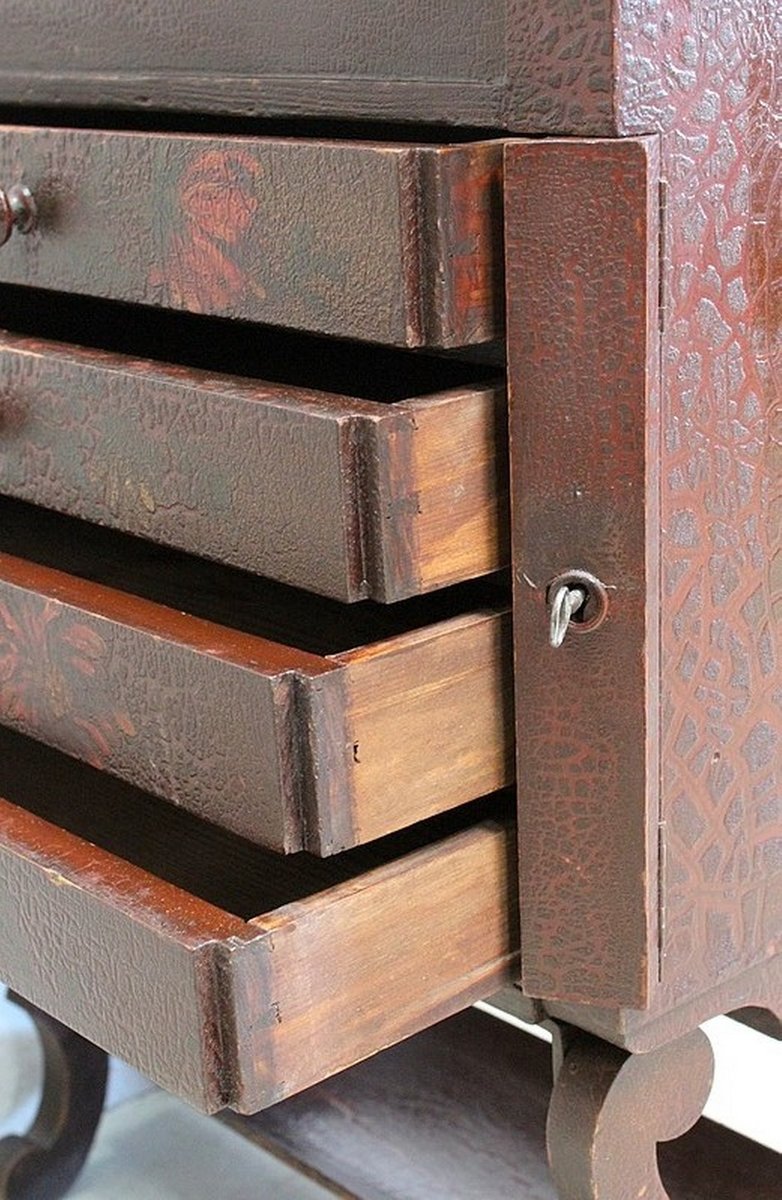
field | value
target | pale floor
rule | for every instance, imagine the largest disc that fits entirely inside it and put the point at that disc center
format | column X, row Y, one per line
column 152, row 1147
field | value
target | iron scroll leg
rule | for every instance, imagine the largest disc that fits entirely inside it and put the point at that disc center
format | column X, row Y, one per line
column 43, row 1163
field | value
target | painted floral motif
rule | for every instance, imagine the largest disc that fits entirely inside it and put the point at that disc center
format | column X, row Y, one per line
column 52, row 681
column 217, row 199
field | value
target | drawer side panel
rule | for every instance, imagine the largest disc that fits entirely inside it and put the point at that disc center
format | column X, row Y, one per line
column 429, row 721
column 368, row 963
column 113, row 953
column 168, row 717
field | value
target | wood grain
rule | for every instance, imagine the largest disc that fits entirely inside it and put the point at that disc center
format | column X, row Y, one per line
column 459, row 1112
column 273, row 478
column 280, row 744
column 438, row 477
column 435, row 708
column 216, row 1009
column 324, row 236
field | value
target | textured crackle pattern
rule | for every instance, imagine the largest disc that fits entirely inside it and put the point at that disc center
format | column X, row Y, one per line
column 583, row 415
column 135, row 703
column 704, row 74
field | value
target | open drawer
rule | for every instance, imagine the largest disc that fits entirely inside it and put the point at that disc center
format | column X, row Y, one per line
column 367, row 719
column 367, row 472
column 385, row 242
column 225, row 973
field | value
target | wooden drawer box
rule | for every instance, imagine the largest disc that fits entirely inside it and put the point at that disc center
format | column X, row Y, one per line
column 400, row 244
column 312, row 743
column 344, row 496
column 139, row 927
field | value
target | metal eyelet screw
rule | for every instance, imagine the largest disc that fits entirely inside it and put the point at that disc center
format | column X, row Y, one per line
column 578, row 601
column 564, row 604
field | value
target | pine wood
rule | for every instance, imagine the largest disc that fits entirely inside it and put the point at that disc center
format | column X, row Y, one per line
column 245, row 702
column 227, row 1008
column 347, row 497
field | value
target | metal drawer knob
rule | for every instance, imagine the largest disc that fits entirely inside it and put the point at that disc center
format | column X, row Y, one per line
column 17, row 211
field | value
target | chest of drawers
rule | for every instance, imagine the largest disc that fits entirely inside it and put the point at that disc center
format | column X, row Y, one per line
column 263, row 275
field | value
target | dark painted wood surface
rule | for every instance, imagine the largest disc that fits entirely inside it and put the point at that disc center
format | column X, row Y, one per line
column 459, row 1113
column 398, row 244
column 524, row 63
column 342, row 496
column 312, row 967
column 291, row 720
column 704, row 81
column 582, row 243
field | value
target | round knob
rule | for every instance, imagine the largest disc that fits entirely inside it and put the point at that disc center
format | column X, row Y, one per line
column 17, row 211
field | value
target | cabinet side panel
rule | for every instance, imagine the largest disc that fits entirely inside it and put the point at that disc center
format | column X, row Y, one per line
column 714, row 93
column 582, row 245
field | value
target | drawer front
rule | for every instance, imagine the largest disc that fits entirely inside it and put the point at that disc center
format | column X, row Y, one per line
column 393, row 244
column 287, row 748
column 344, row 497
column 235, row 1011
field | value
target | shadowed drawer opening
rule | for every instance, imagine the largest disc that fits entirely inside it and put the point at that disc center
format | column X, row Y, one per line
column 226, row 974
column 353, row 472
column 197, row 856
column 293, row 126
column 232, row 598
column 382, row 374
column 295, row 722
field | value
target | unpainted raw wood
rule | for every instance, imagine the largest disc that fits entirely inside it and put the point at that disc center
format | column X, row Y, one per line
column 221, row 1011
column 282, row 746
column 429, row 714
column 386, row 954
column 266, row 477
column 437, row 508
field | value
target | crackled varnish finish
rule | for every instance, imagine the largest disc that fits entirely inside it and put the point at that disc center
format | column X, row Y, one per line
column 583, row 311
column 398, row 244
column 287, row 747
column 701, row 820
column 345, row 497
column 116, row 921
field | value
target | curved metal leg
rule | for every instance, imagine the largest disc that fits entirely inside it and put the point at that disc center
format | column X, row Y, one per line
column 609, row 1110
column 42, row 1164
